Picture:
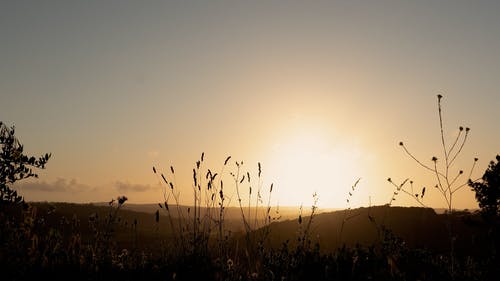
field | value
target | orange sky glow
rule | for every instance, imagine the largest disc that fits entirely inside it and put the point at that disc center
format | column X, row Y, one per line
column 319, row 92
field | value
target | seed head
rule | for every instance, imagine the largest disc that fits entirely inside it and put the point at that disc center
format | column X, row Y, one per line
column 401, row 143
column 434, row 158
column 439, row 96
column 122, row 199
column 194, row 178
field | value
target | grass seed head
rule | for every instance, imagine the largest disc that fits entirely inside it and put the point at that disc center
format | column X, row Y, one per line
column 122, row 199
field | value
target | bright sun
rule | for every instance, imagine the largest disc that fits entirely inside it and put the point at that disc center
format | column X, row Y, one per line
column 310, row 163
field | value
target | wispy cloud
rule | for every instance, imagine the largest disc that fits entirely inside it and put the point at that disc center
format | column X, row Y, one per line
column 59, row 185
column 128, row 187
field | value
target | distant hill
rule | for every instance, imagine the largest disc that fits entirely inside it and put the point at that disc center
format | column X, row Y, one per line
column 67, row 217
column 285, row 212
column 232, row 215
column 149, row 232
column 418, row 227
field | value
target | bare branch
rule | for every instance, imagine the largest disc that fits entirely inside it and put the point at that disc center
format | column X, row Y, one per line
column 416, row 160
column 461, row 146
column 441, row 127
column 456, row 140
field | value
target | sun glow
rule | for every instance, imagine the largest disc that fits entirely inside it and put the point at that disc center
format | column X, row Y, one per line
column 309, row 163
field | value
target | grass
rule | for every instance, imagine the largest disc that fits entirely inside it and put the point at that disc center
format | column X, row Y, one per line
column 31, row 247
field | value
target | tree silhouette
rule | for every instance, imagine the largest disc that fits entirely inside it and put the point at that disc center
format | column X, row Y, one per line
column 488, row 190
column 14, row 165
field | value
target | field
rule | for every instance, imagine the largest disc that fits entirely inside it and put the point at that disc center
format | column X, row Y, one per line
column 95, row 242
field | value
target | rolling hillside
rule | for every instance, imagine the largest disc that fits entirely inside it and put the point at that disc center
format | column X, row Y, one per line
column 418, row 227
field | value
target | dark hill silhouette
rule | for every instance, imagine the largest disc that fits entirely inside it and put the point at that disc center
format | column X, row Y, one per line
column 129, row 227
column 418, row 227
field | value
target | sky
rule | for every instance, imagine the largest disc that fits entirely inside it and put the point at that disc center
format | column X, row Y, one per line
column 319, row 92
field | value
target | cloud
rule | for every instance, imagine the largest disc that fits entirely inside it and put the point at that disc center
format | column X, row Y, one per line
column 128, row 187
column 59, row 185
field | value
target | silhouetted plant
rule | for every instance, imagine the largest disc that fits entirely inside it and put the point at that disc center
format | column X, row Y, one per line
column 348, row 214
column 200, row 232
column 488, row 190
column 14, row 165
column 418, row 197
column 304, row 231
column 446, row 182
column 194, row 227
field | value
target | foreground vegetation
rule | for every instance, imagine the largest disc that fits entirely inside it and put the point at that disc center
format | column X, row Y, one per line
column 86, row 242
column 56, row 240
column 44, row 240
